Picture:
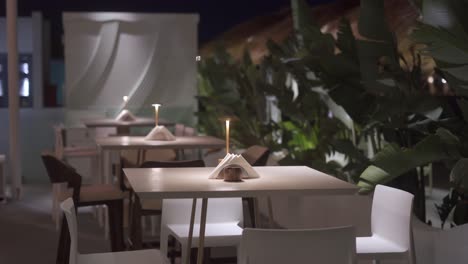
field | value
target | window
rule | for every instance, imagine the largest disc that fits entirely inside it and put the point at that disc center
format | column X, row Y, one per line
column 25, row 89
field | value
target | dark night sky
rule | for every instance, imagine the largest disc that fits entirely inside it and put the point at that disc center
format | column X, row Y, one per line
column 216, row 16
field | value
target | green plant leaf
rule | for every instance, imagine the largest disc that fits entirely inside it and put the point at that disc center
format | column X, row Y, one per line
column 393, row 161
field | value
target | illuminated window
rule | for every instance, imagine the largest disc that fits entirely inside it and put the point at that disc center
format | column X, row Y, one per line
column 25, row 89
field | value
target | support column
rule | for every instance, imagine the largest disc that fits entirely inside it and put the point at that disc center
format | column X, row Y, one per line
column 13, row 97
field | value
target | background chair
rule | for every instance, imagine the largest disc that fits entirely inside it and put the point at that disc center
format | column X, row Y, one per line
column 256, row 156
column 390, row 226
column 140, row 208
column 100, row 194
column 324, row 246
column 141, row 256
column 222, row 223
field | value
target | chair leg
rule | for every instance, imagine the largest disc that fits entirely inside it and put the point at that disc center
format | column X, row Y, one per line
column 136, row 228
column 154, row 225
column 115, row 224
column 63, row 249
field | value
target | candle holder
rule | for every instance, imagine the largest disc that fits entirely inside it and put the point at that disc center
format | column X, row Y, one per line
column 232, row 173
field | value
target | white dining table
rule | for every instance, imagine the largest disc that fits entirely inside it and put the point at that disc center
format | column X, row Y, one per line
column 167, row 183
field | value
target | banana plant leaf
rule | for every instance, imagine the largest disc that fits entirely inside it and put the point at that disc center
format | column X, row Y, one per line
column 459, row 175
column 393, row 161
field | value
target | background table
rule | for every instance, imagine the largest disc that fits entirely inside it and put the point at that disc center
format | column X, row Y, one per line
column 123, row 127
column 114, row 144
column 159, row 183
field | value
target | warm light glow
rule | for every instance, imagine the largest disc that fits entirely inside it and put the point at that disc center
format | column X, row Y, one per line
column 227, row 135
column 444, row 81
column 430, row 79
column 156, row 112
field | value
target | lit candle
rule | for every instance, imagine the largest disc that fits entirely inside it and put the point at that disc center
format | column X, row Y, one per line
column 156, row 112
column 227, row 136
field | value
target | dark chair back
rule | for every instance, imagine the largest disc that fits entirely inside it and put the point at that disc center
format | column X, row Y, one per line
column 173, row 164
column 59, row 172
column 256, row 155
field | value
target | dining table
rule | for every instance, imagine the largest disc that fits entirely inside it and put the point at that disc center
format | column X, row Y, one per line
column 123, row 127
column 194, row 183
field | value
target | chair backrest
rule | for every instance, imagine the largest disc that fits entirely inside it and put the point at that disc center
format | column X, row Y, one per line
column 173, row 164
column 179, row 130
column 391, row 215
column 59, row 133
column 256, row 155
column 189, row 131
column 324, row 246
column 58, row 172
column 68, row 209
column 220, row 210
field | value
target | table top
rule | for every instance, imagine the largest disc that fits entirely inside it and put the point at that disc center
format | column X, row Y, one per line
column 274, row 180
column 110, row 122
column 129, row 142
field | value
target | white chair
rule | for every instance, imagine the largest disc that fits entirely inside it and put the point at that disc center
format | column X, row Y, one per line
column 390, row 226
column 222, row 223
column 150, row 256
column 322, row 246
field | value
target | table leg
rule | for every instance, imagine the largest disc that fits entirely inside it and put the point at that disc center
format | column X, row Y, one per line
column 201, row 237
column 100, row 180
column 190, row 235
column 257, row 213
column 270, row 213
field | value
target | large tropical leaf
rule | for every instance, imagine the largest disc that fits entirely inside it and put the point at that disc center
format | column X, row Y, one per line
column 393, row 161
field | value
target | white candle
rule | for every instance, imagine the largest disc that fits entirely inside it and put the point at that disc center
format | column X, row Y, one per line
column 156, row 112
column 227, row 136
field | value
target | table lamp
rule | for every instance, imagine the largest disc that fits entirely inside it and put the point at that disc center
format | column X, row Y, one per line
column 125, row 114
column 159, row 132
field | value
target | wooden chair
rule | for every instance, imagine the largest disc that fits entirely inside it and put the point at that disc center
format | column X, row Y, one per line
column 255, row 156
column 150, row 256
column 140, row 208
column 99, row 194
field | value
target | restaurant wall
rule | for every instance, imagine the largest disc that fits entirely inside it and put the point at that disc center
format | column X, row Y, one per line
column 149, row 57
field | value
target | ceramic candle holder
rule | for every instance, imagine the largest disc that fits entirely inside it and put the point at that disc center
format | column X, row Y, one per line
column 232, row 174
